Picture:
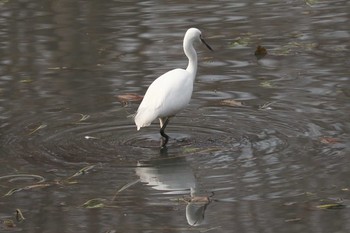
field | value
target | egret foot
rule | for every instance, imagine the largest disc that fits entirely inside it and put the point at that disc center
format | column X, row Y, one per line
column 165, row 138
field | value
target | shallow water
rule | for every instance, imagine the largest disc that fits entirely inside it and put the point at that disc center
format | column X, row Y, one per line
column 277, row 163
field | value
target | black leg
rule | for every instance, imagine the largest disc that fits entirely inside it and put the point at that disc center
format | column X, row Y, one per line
column 165, row 138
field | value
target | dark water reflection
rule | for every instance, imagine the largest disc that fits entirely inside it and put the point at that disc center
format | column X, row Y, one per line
column 270, row 165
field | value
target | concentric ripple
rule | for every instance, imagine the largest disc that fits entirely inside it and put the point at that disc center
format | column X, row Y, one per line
column 238, row 147
column 59, row 138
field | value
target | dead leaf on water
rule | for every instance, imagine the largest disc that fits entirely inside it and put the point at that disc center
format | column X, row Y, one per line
column 84, row 117
column 331, row 206
column 128, row 185
column 293, row 220
column 266, row 84
column 94, row 203
column 188, row 150
column 34, row 186
column 26, row 80
column 12, row 191
column 16, row 177
column 63, row 182
column 266, row 106
column 289, row 203
column 231, row 103
column 19, row 215
column 260, row 52
column 311, row 3
column 82, row 171
column 38, row 128
column 329, row 140
column 310, row 194
column 8, row 223
column 241, row 41
column 129, row 97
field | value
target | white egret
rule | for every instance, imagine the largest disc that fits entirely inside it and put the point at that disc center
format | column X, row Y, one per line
column 172, row 91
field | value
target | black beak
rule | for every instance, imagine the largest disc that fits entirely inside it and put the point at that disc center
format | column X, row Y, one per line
column 203, row 41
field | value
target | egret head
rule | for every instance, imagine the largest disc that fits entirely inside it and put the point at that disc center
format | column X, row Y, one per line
column 193, row 34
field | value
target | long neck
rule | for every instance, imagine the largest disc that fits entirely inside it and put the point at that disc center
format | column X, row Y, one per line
column 192, row 58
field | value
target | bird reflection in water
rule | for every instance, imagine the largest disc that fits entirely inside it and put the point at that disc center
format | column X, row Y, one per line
column 174, row 176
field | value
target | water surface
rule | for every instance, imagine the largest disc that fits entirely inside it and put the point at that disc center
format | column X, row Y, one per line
column 262, row 147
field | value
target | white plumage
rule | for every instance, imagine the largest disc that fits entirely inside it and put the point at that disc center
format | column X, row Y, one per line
column 172, row 91
column 165, row 97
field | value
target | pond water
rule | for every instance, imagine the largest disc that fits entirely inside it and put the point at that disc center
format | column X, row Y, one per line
column 262, row 147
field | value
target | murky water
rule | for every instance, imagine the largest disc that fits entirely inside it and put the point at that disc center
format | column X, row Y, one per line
column 262, row 147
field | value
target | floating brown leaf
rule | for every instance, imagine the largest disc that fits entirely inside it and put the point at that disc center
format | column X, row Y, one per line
column 129, row 97
column 260, row 52
column 329, row 140
column 231, row 102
